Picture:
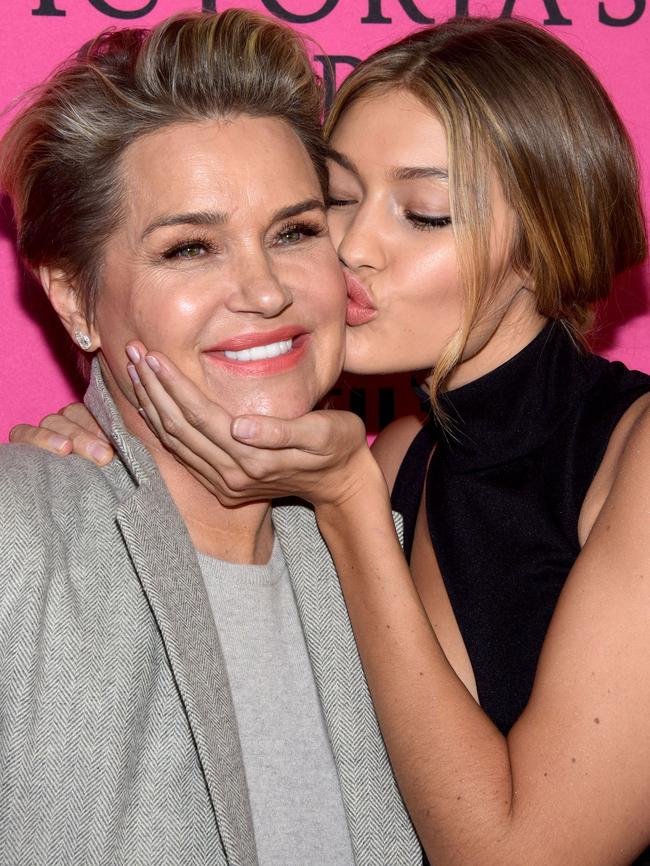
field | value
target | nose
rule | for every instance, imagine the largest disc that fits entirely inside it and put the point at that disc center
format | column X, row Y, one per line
column 361, row 244
column 259, row 290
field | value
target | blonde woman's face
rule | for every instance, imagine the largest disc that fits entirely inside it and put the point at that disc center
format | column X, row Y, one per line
column 390, row 220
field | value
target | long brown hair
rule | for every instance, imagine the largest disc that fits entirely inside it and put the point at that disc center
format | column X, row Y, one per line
column 518, row 104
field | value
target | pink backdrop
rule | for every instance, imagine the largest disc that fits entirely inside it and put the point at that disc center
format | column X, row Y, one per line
column 38, row 374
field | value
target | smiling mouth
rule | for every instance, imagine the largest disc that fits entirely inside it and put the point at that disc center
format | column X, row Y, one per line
column 258, row 354
column 261, row 353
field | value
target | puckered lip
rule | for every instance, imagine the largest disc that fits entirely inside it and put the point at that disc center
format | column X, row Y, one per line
column 252, row 339
column 358, row 293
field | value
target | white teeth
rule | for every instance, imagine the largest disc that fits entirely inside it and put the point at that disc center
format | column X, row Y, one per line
column 260, row 353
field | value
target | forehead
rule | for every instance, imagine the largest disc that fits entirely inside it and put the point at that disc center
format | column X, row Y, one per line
column 232, row 162
column 395, row 128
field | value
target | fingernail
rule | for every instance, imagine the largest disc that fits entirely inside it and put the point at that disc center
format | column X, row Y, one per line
column 154, row 363
column 133, row 373
column 243, row 428
column 133, row 354
column 98, row 451
column 58, row 442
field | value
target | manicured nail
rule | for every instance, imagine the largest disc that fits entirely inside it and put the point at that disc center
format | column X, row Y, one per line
column 133, row 354
column 58, row 442
column 243, row 428
column 154, row 363
column 98, row 451
column 133, row 373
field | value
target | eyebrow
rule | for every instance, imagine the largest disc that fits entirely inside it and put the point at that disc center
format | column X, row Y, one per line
column 411, row 173
column 293, row 210
column 418, row 172
column 217, row 218
column 342, row 160
column 194, row 218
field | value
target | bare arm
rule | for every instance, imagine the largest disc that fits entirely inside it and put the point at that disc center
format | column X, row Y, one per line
column 390, row 446
column 570, row 784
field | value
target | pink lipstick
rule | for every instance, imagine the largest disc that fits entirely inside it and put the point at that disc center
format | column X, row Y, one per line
column 261, row 353
column 361, row 308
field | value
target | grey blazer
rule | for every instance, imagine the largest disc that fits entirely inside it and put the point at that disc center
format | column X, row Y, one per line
column 118, row 741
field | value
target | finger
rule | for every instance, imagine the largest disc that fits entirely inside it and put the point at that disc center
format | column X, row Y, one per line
column 319, row 432
column 227, row 481
column 84, row 444
column 197, row 431
column 41, row 438
column 146, row 408
column 181, row 413
column 74, row 422
column 199, row 412
column 156, row 406
column 79, row 414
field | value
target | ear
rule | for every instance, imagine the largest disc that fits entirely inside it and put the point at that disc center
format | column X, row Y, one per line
column 64, row 297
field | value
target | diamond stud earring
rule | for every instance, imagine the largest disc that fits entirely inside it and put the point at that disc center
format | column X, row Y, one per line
column 83, row 340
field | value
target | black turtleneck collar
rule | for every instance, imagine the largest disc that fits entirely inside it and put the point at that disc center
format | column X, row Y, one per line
column 511, row 410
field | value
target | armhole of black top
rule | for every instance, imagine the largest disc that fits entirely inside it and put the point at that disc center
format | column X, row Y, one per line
column 409, row 483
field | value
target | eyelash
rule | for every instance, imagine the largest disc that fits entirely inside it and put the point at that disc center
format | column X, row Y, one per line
column 196, row 241
column 306, row 228
column 339, row 202
column 418, row 221
column 427, row 223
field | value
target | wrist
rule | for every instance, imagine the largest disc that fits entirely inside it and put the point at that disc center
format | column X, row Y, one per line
column 362, row 495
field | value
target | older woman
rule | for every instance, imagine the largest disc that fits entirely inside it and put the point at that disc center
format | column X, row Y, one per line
column 484, row 195
column 179, row 680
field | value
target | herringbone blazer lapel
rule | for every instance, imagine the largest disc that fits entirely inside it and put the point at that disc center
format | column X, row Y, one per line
column 166, row 564
column 380, row 829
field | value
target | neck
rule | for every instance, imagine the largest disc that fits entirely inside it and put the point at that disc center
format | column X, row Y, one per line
column 243, row 534
column 498, row 338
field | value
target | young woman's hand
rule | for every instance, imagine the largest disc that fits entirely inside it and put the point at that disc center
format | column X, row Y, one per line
column 72, row 430
column 322, row 456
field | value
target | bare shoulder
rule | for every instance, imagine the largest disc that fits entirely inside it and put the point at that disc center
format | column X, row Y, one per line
column 633, row 465
column 628, row 445
column 392, row 444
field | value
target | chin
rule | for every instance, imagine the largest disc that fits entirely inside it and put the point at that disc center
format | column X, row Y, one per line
column 361, row 356
column 287, row 406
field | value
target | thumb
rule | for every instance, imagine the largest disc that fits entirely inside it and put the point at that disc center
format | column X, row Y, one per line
column 263, row 431
column 319, row 432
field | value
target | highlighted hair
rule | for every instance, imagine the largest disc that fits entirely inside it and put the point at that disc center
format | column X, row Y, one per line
column 60, row 158
column 519, row 105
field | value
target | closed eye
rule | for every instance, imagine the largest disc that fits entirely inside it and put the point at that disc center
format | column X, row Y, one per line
column 423, row 222
column 340, row 202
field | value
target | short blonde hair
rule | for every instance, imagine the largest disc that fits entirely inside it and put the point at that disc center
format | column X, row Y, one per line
column 518, row 103
column 60, row 158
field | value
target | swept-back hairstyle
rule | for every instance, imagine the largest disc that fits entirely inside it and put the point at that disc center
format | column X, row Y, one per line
column 60, row 158
column 520, row 107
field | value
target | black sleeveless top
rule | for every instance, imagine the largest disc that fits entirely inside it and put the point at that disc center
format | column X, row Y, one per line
column 504, row 491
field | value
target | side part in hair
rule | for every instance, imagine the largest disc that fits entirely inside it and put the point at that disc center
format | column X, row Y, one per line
column 520, row 107
column 60, row 158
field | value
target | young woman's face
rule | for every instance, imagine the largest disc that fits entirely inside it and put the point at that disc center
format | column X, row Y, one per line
column 390, row 220
column 223, row 262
